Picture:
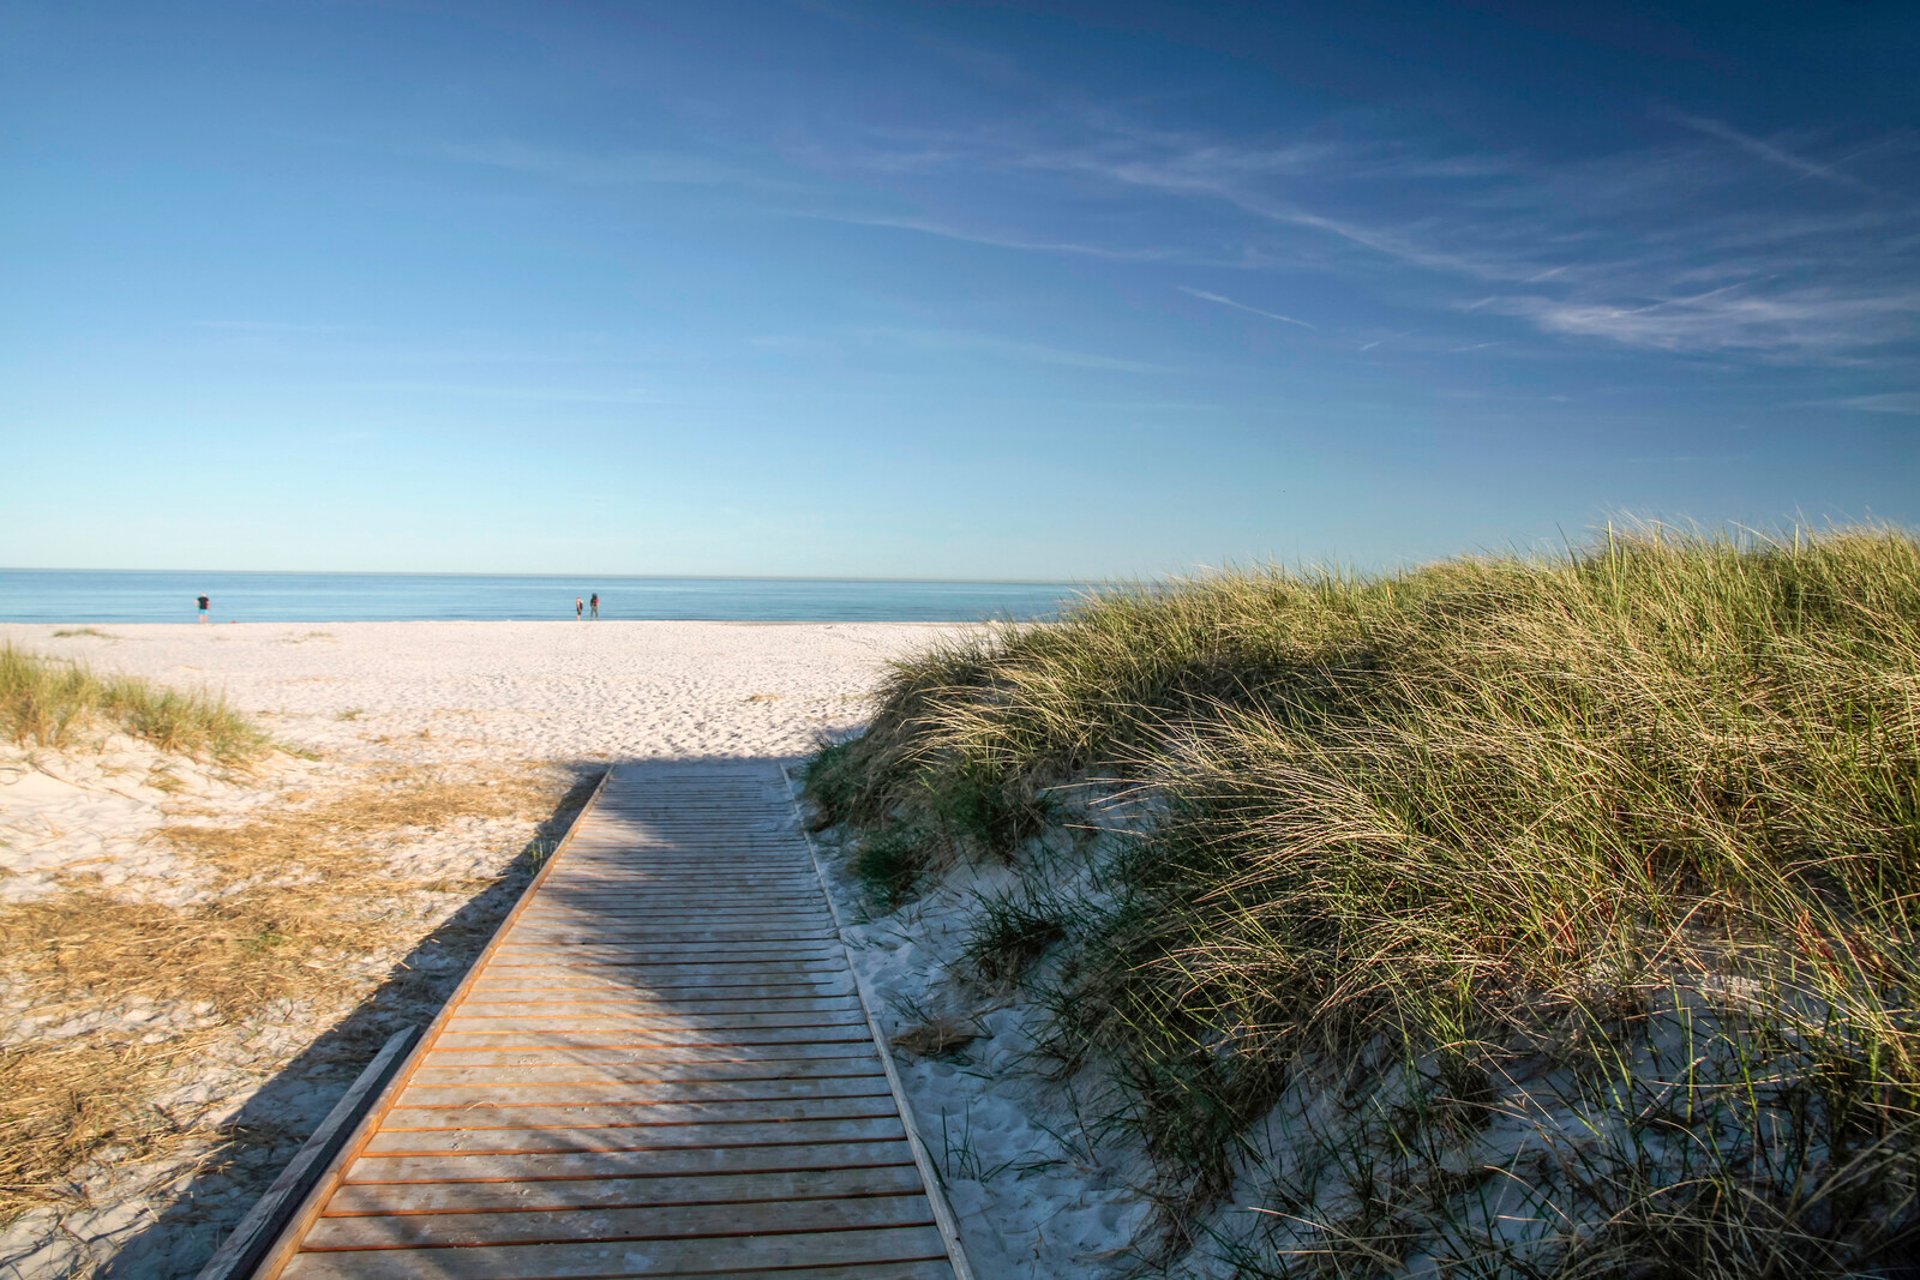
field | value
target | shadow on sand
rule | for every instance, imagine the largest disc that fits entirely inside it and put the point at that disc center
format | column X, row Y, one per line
column 268, row 1131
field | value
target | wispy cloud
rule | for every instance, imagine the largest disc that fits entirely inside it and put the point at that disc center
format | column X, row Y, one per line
column 1902, row 402
column 969, row 236
column 1797, row 323
column 1767, row 151
column 1681, row 245
column 1225, row 301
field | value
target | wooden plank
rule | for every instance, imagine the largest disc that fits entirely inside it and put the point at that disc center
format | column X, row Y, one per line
column 644, row 995
column 627, row 1258
column 666, row 1165
column 650, row 907
column 645, row 1138
column 532, row 986
column 665, row 1073
column 647, row 914
column 612, row 962
column 616, row 1193
column 604, row 1115
column 668, row 935
column 640, row 1222
column 649, row 1005
column 678, row 951
column 813, row 1029
column 641, row 1096
column 618, row 1018
column 856, row 1048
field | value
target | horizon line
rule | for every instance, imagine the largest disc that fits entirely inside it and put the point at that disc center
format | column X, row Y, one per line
column 615, row 577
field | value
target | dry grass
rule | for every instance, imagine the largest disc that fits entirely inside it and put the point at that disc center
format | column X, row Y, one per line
column 937, row 1038
column 65, row 1103
column 298, row 899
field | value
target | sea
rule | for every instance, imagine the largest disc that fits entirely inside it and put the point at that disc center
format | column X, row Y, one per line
column 89, row 596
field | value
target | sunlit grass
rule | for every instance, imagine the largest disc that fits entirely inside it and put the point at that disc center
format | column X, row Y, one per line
column 49, row 702
column 1499, row 835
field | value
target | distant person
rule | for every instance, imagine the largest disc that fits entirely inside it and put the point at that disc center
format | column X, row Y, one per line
column 579, row 609
column 594, row 604
column 205, row 604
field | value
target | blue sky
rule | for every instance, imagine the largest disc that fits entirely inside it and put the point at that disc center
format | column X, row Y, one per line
column 945, row 290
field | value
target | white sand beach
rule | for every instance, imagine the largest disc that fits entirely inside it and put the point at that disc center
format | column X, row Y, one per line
column 524, row 711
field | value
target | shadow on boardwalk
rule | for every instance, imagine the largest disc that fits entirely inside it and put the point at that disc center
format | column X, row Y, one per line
column 662, row 1065
column 268, row 1131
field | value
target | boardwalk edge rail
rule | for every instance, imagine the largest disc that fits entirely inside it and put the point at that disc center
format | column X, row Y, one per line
column 930, row 1176
column 261, row 1228
column 276, row 1258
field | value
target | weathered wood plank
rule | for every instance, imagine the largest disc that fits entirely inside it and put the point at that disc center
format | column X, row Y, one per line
column 640, row 1096
column 513, row 954
column 652, row 1038
column 643, row 994
column 639, row 1222
column 664, row 1022
column 561, row 1055
column 648, row 1005
column 664, row 1164
column 716, row 1134
column 605, row 1115
column 626, row 1258
column 664, row 1072
column 574, row 963
column 597, row 1193
column 594, row 987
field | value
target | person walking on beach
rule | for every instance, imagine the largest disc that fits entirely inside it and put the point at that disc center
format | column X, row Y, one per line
column 205, row 603
column 579, row 610
column 594, row 604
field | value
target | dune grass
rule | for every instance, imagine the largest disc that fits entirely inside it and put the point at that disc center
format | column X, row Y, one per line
column 50, row 702
column 1560, row 913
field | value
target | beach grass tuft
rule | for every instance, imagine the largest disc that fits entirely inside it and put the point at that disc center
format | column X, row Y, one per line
column 1561, row 915
column 49, row 702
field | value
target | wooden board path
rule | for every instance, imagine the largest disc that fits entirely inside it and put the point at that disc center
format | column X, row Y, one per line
column 661, row 1066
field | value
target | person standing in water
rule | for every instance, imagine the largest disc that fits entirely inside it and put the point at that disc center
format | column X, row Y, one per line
column 579, row 608
column 205, row 604
column 593, row 603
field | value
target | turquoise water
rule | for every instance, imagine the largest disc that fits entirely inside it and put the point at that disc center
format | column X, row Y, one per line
column 49, row 595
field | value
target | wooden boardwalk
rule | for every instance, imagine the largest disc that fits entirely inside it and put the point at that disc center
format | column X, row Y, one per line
column 659, row 1067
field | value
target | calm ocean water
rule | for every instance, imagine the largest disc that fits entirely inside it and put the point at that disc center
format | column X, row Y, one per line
column 48, row 595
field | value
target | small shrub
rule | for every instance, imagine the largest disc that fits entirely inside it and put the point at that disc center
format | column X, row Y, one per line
column 892, row 863
column 831, row 779
column 1008, row 936
column 978, row 810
